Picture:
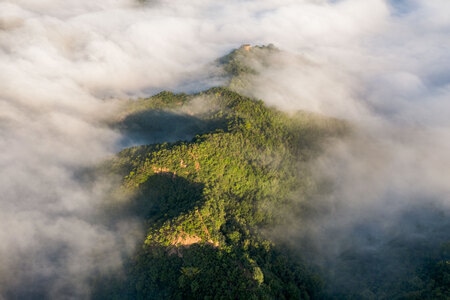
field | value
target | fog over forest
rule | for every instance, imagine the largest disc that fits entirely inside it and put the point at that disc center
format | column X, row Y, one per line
column 382, row 65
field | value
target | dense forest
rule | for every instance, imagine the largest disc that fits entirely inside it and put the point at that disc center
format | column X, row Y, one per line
column 207, row 200
column 209, row 174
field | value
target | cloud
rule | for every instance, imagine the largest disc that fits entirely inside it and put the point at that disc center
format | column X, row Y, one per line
column 390, row 192
column 64, row 65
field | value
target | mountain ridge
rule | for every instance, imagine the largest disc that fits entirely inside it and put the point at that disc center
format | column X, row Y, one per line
column 208, row 192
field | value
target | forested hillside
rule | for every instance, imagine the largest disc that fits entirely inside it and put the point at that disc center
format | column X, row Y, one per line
column 209, row 174
column 206, row 200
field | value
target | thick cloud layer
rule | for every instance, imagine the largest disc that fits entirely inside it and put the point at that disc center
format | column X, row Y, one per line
column 381, row 64
column 388, row 209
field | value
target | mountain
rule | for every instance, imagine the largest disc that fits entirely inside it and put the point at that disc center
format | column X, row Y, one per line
column 207, row 197
column 209, row 174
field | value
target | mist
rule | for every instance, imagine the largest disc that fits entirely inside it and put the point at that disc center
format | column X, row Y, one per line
column 381, row 210
column 382, row 65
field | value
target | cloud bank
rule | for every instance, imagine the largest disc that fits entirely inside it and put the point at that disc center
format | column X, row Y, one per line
column 381, row 64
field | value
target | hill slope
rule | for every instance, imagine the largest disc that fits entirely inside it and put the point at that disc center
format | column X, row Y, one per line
column 207, row 200
column 209, row 174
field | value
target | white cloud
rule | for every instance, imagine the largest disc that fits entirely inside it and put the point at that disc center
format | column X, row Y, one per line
column 61, row 62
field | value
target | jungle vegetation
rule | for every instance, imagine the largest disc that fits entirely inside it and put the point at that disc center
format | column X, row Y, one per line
column 208, row 173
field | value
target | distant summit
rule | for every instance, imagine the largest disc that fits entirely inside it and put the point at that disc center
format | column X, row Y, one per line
column 242, row 60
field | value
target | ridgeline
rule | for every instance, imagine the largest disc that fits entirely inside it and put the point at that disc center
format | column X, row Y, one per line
column 208, row 174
